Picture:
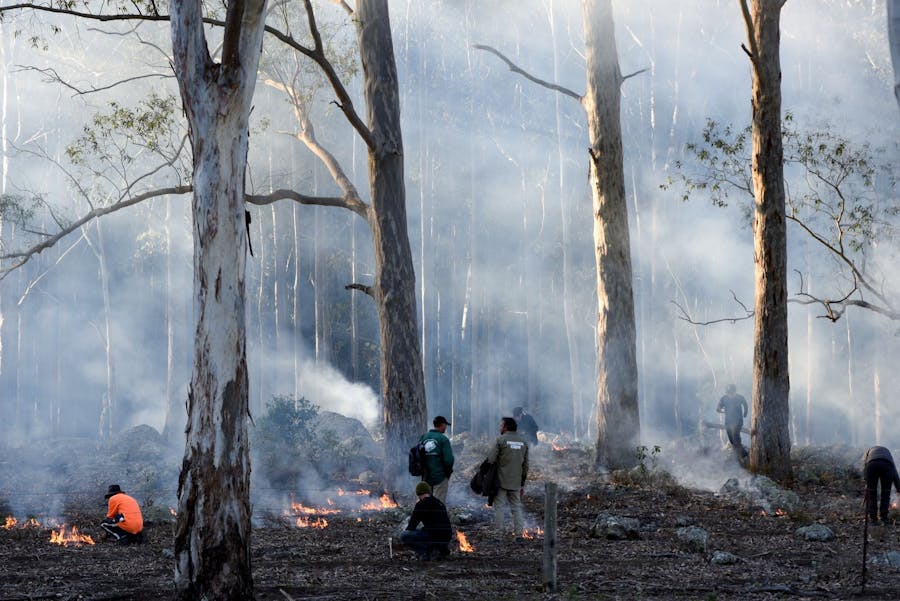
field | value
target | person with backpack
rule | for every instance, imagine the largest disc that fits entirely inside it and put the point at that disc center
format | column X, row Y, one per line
column 438, row 458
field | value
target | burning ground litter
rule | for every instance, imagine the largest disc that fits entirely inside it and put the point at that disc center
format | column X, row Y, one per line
column 750, row 552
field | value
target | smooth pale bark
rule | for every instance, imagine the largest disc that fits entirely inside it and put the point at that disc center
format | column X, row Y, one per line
column 618, row 422
column 893, row 16
column 402, row 379
column 172, row 420
column 109, row 411
column 212, row 535
column 770, row 445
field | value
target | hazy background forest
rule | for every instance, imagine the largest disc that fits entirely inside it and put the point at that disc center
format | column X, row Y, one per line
column 97, row 332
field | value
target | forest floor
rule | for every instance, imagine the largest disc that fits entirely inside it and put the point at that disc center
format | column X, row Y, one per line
column 351, row 557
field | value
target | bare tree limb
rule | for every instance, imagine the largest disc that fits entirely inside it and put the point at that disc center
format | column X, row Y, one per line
column 685, row 316
column 362, row 288
column 21, row 257
column 516, row 69
column 352, row 204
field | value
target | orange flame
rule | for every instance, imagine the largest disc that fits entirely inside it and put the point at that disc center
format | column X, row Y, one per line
column 780, row 512
column 31, row 523
column 305, row 522
column 304, row 509
column 384, row 502
column 10, row 523
column 173, row 512
column 464, row 545
column 61, row 537
column 558, row 447
column 532, row 533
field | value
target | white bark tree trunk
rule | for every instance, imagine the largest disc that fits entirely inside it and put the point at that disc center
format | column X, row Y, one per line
column 618, row 421
column 770, row 447
column 893, row 16
column 212, row 536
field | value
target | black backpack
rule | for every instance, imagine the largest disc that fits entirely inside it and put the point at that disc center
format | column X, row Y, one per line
column 417, row 460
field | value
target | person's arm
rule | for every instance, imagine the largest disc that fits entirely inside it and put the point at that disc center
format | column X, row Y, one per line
column 415, row 518
column 494, row 453
column 448, row 457
column 721, row 406
column 744, row 405
column 525, row 468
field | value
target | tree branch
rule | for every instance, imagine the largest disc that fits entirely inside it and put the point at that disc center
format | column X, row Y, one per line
column 358, row 207
column 515, row 69
column 22, row 257
column 685, row 316
column 362, row 288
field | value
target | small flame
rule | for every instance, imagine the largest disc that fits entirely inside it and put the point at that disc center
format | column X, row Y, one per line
column 305, row 522
column 74, row 537
column 780, row 512
column 533, row 533
column 173, row 512
column 363, row 491
column 31, row 523
column 10, row 523
column 763, row 513
column 895, row 505
column 304, row 509
column 464, row 545
column 384, row 502
column 558, row 447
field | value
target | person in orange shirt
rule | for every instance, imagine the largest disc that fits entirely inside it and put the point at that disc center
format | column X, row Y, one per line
column 124, row 521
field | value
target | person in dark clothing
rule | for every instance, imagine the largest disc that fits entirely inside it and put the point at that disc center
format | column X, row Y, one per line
column 432, row 541
column 438, row 458
column 528, row 428
column 734, row 406
column 878, row 466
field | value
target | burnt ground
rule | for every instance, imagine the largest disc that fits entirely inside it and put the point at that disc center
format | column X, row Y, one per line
column 349, row 559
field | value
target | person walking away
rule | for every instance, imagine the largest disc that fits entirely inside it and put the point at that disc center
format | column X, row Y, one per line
column 528, row 428
column 734, row 406
column 510, row 454
column 438, row 458
column 879, row 467
column 432, row 541
column 124, row 521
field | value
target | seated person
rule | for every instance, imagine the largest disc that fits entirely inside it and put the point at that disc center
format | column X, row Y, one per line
column 124, row 521
column 433, row 539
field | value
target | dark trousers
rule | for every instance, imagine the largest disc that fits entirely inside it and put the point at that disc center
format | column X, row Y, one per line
column 879, row 470
column 733, row 429
column 420, row 543
column 120, row 535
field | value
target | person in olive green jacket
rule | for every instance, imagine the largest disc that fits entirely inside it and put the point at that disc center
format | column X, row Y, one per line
column 510, row 453
column 438, row 458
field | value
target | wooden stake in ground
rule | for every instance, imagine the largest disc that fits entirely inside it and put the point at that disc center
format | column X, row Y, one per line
column 865, row 538
column 550, row 489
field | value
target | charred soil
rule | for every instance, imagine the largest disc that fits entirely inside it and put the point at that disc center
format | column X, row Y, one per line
column 352, row 558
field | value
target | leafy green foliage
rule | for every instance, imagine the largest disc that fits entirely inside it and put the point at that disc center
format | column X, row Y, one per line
column 147, row 126
column 286, row 421
column 17, row 208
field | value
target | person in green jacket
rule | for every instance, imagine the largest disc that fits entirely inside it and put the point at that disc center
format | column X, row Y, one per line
column 438, row 458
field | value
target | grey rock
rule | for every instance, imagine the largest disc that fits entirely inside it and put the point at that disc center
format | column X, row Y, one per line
column 694, row 538
column 724, row 558
column 615, row 528
column 816, row 532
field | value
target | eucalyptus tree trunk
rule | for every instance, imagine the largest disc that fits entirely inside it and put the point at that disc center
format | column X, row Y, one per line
column 170, row 427
column 618, row 422
column 771, row 442
column 402, row 380
column 108, row 410
column 212, row 534
column 568, row 318
column 893, row 15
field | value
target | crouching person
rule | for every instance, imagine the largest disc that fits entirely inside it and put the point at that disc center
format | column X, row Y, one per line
column 432, row 541
column 124, row 521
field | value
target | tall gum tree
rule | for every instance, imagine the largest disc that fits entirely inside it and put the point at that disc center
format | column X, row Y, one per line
column 212, row 535
column 770, row 445
column 618, row 418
